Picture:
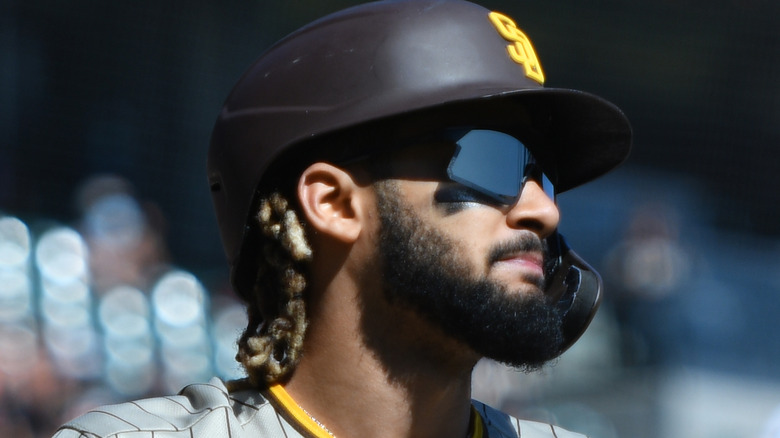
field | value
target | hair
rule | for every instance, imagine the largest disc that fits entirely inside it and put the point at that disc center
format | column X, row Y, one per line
column 271, row 345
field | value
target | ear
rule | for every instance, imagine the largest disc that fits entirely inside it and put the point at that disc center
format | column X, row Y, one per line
column 331, row 201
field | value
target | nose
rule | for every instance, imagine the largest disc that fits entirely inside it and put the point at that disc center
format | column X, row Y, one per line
column 534, row 211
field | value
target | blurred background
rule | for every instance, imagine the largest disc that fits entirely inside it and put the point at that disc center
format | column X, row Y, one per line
column 112, row 281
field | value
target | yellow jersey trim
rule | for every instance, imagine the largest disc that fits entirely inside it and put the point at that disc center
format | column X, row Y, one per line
column 318, row 430
column 476, row 423
column 297, row 412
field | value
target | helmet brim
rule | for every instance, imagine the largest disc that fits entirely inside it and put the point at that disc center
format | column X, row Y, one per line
column 577, row 136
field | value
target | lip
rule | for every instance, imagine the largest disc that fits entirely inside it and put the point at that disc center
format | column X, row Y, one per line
column 529, row 261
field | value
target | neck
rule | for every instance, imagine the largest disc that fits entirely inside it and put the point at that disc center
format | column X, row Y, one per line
column 367, row 364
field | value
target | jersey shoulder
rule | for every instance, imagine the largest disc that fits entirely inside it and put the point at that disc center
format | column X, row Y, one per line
column 502, row 425
column 199, row 410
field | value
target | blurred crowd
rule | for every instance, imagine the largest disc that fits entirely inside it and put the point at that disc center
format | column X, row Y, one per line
column 95, row 313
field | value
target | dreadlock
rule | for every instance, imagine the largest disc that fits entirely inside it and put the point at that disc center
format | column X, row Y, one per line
column 271, row 345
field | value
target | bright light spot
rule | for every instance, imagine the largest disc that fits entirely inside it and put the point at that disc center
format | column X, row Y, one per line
column 65, row 315
column 15, row 295
column 131, row 352
column 116, row 220
column 130, row 380
column 229, row 322
column 180, row 337
column 75, row 352
column 61, row 255
column 70, row 343
column 227, row 366
column 124, row 313
column 14, row 242
column 76, row 291
column 179, row 299
column 186, row 361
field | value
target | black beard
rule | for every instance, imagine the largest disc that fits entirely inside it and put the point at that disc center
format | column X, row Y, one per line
column 422, row 272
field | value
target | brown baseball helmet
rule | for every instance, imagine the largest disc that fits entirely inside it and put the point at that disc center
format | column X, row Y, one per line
column 391, row 69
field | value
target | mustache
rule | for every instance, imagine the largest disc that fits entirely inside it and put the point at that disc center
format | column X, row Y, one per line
column 524, row 243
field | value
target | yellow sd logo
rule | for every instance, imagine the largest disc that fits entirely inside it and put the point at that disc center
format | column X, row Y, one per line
column 521, row 51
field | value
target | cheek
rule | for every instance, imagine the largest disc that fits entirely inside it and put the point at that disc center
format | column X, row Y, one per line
column 473, row 236
column 474, row 229
column 476, row 222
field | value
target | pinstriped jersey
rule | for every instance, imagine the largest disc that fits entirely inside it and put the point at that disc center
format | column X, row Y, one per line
column 209, row 410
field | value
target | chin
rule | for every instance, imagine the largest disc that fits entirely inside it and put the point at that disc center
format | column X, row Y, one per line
column 523, row 288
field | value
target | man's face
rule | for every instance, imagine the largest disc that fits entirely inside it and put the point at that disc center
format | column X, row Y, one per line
column 471, row 266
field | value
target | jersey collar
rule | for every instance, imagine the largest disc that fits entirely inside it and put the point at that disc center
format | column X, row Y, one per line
column 309, row 426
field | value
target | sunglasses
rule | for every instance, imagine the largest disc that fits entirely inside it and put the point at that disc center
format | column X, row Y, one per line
column 497, row 165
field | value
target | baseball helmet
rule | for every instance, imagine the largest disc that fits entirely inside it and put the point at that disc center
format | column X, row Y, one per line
column 390, row 69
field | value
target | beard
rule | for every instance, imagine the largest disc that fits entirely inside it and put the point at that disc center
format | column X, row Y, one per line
column 422, row 272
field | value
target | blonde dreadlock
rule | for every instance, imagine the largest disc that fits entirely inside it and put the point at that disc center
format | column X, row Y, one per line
column 270, row 347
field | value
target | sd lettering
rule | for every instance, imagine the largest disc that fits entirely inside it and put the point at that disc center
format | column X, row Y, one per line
column 521, row 51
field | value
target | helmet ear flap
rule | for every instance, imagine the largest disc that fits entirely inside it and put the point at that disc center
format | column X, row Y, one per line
column 576, row 288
